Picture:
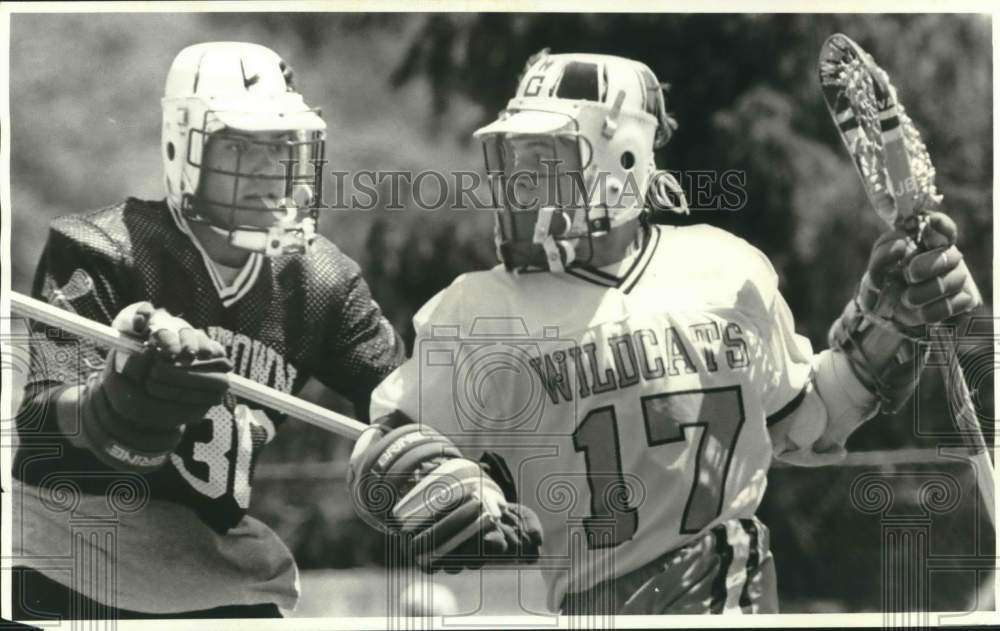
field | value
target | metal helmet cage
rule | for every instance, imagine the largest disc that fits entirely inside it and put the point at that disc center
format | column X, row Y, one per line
column 302, row 160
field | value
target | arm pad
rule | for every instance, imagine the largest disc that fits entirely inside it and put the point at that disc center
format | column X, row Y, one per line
column 835, row 404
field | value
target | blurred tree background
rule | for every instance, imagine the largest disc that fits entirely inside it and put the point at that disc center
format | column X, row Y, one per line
column 404, row 92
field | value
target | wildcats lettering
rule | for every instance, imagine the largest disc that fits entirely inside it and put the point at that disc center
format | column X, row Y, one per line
column 643, row 355
column 255, row 360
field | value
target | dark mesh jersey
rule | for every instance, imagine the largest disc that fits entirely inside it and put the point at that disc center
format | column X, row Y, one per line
column 303, row 316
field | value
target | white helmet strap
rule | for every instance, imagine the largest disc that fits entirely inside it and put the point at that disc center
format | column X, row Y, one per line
column 611, row 121
column 542, row 237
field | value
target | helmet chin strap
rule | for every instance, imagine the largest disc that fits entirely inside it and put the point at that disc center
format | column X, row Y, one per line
column 561, row 252
column 553, row 252
column 287, row 236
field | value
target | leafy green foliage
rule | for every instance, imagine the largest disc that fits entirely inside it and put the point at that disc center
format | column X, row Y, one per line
column 404, row 92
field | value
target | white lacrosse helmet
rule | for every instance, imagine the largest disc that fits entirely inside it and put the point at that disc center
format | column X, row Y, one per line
column 602, row 117
column 222, row 87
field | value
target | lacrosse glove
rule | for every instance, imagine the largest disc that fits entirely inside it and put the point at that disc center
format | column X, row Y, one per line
column 134, row 411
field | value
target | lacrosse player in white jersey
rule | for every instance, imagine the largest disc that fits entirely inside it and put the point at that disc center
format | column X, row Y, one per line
column 622, row 384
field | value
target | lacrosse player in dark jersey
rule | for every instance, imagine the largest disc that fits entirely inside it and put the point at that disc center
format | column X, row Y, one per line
column 227, row 273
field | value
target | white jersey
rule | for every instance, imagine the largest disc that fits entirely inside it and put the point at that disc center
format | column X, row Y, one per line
column 631, row 408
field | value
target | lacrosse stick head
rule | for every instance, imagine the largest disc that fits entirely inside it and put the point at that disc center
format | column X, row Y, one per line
column 883, row 143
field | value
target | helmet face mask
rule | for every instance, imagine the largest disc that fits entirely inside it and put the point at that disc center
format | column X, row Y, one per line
column 243, row 153
column 592, row 122
column 540, row 189
column 539, row 170
column 259, row 189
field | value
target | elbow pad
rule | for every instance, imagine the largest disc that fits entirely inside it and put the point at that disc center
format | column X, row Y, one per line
column 834, row 406
column 847, row 402
column 794, row 437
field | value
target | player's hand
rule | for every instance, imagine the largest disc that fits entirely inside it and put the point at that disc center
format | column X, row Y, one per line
column 411, row 481
column 136, row 408
column 912, row 285
column 459, row 519
column 522, row 531
column 515, row 539
column 906, row 287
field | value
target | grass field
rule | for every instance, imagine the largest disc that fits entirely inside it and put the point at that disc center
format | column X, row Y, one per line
column 373, row 592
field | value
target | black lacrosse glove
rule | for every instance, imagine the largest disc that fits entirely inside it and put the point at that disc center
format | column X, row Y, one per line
column 133, row 412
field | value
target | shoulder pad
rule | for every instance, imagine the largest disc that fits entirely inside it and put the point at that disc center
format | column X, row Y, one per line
column 99, row 232
column 735, row 271
column 323, row 269
column 450, row 306
column 739, row 254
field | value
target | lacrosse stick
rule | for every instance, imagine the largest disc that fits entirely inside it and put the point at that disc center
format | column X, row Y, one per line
column 898, row 178
column 240, row 386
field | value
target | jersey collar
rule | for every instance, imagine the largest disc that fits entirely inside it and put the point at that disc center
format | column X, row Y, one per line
column 626, row 273
column 242, row 283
